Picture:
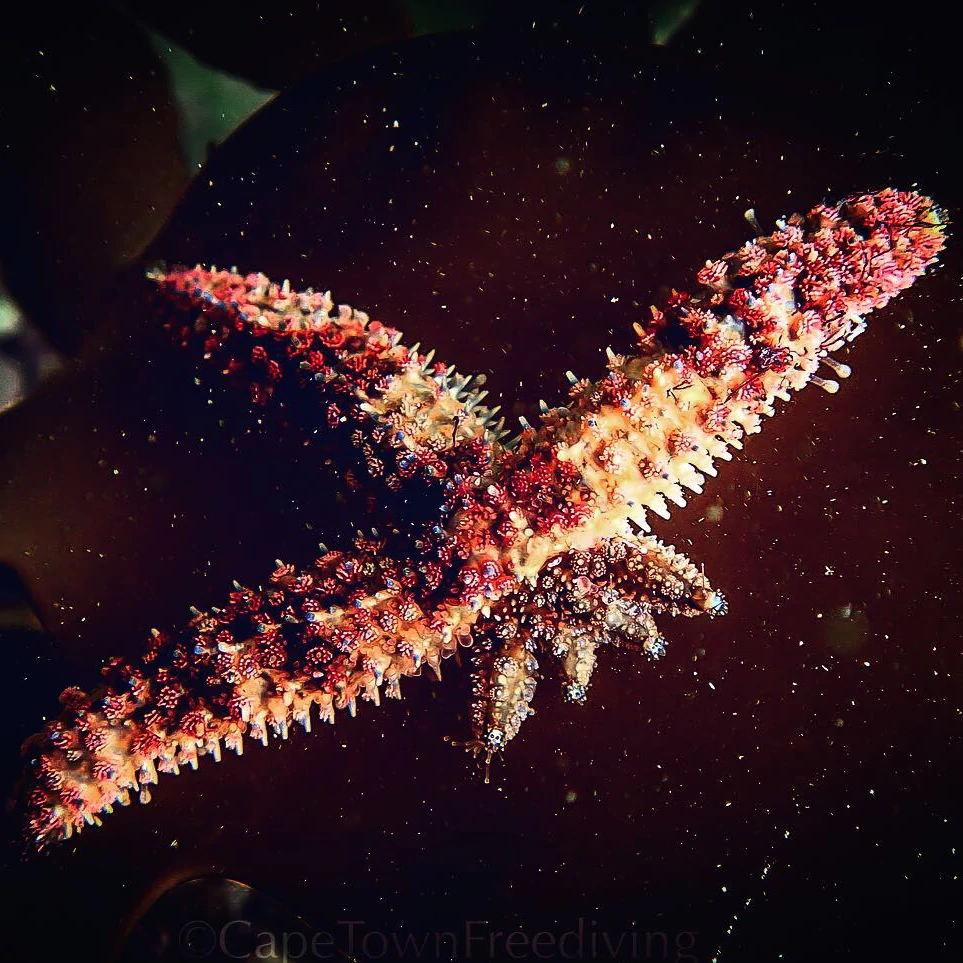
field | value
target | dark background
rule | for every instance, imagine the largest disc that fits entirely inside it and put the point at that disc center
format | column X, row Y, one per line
column 782, row 784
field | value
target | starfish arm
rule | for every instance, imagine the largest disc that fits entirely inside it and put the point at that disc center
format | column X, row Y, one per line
column 575, row 648
column 328, row 369
column 615, row 591
column 504, row 678
column 666, row 580
column 713, row 363
column 310, row 642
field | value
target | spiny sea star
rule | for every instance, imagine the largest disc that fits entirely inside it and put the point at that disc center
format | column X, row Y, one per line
column 523, row 549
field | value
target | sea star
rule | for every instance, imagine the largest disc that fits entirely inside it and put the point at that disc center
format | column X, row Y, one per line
column 523, row 550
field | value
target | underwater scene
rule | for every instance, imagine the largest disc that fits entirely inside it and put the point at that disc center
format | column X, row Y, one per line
column 389, row 569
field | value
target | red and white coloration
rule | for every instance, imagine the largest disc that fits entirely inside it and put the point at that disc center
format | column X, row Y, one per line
column 522, row 550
